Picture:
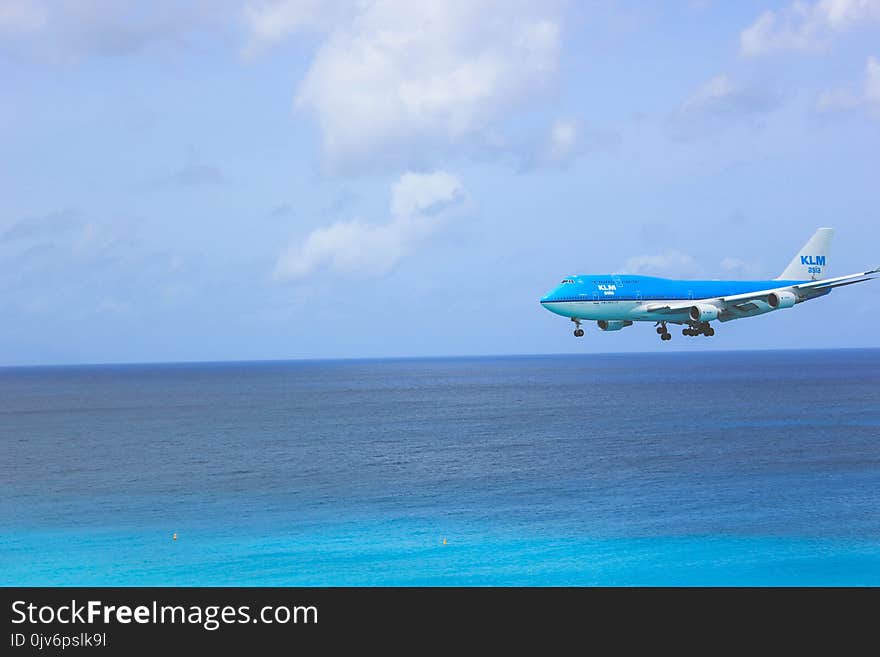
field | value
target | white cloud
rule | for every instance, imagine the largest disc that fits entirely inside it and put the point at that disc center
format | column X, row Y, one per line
column 677, row 264
column 67, row 236
column 423, row 193
column 269, row 22
column 806, row 27
column 714, row 105
column 563, row 140
column 564, row 143
column 402, row 84
column 17, row 16
column 850, row 98
column 418, row 202
column 64, row 30
column 671, row 263
column 68, row 266
column 736, row 268
column 719, row 93
column 872, row 84
column 836, row 100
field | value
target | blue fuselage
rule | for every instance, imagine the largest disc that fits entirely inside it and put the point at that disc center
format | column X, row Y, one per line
column 623, row 296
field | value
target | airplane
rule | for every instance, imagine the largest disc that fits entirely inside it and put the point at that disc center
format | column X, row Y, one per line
column 616, row 301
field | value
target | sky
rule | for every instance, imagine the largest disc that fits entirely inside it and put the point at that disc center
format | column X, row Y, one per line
column 283, row 179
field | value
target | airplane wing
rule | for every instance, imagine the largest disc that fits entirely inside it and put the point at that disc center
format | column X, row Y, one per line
column 745, row 302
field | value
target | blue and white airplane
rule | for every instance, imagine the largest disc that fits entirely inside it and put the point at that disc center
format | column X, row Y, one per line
column 615, row 301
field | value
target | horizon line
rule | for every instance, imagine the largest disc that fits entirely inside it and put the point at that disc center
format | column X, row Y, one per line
column 411, row 357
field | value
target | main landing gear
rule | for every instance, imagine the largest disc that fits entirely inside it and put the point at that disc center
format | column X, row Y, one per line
column 698, row 329
column 663, row 331
column 578, row 332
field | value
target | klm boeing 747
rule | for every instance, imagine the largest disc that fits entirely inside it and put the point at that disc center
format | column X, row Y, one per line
column 615, row 301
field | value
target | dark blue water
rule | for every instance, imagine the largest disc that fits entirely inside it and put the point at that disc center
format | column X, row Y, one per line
column 710, row 468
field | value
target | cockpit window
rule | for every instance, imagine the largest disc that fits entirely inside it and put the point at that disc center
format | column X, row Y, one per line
column 567, row 280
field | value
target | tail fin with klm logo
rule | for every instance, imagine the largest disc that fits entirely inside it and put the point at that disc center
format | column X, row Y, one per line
column 811, row 261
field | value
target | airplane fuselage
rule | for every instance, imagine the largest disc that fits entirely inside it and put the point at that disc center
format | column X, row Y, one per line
column 622, row 297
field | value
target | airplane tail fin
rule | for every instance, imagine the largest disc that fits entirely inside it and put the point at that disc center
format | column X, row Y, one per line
column 811, row 261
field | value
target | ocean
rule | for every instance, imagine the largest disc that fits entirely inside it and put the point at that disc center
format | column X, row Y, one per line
column 721, row 468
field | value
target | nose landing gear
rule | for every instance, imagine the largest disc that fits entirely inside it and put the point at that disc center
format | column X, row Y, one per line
column 578, row 332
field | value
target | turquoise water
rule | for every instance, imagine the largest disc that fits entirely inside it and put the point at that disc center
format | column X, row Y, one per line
column 376, row 554
column 756, row 468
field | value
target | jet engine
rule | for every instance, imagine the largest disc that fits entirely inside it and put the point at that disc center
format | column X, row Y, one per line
column 613, row 325
column 782, row 299
column 703, row 312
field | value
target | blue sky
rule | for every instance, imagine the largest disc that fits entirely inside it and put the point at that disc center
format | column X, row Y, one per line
column 303, row 179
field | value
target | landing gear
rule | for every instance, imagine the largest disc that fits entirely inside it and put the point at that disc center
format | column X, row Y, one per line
column 663, row 332
column 699, row 329
column 578, row 332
